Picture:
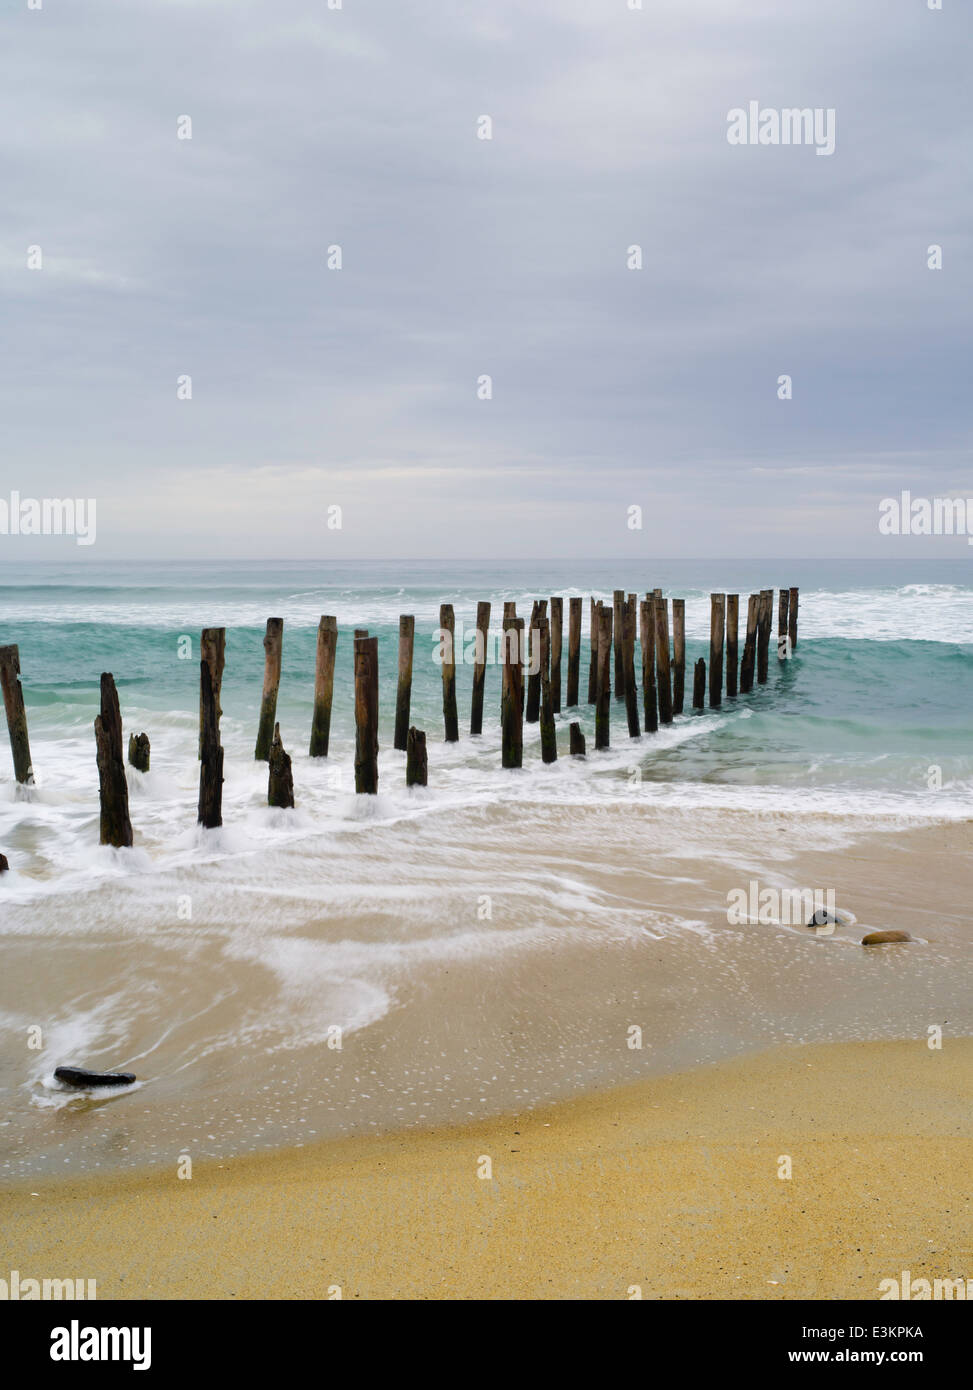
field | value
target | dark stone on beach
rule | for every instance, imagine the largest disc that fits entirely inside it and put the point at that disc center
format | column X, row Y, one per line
column 882, row 938
column 84, row 1080
column 821, row 917
column 4, row 866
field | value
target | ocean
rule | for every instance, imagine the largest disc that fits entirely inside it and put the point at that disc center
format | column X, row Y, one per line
column 259, row 978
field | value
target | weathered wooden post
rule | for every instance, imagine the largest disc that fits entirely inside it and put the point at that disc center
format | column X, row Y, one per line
column 479, row 667
column 717, row 622
column 403, row 694
column 13, row 703
column 764, row 619
column 212, row 650
column 699, row 683
column 750, row 645
column 366, row 715
column 577, row 740
column 116, row 825
column 210, row 806
column 4, row 864
column 628, row 667
column 323, row 686
column 139, row 751
column 603, row 706
column 273, row 641
column 280, row 784
column 574, row 650
column 783, row 637
column 447, row 627
column 416, row 767
column 618, row 605
column 650, row 699
column 662, row 665
column 548, row 730
column 512, row 694
column 678, row 654
column 792, row 627
column 593, row 658
column 732, row 641
column 557, row 622
column 538, row 612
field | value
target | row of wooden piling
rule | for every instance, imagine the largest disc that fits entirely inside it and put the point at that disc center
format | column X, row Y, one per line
column 613, row 635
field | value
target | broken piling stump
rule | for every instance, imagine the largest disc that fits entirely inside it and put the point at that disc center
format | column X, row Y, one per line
column 416, row 769
column 139, row 751
column 699, row 683
column 577, row 740
column 280, row 785
column 116, row 826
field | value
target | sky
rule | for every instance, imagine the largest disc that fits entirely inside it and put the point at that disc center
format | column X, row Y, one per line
column 462, row 258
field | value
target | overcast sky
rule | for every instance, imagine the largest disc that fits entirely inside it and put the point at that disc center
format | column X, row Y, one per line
column 311, row 387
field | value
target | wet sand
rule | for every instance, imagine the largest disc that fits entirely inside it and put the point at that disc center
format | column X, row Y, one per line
column 669, row 1186
column 224, row 1019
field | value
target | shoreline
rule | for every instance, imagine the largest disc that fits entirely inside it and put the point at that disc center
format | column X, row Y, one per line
column 669, row 1185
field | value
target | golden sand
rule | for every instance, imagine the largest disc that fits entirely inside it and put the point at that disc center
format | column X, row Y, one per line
column 670, row 1186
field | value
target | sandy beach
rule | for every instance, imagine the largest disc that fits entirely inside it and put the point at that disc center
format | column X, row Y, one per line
column 669, row 1187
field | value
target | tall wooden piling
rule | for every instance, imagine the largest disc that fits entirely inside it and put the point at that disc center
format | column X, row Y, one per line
column 210, row 806
column 603, row 705
column 447, row 624
column 512, row 694
column 593, row 659
column 13, row 704
column 366, row 715
column 678, row 654
column 557, row 622
column 116, row 825
column 628, row 667
column 783, row 635
column 403, row 694
column 212, row 650
column 479, row 667
column 650, row 699
column 273, row 643
column 732, row 641
column 139, row 751
column 717, row 623
column 538, row 612
column 618, row 606
column 747, row 665
column 765, row 610
column 548, row 730
column 416, row 766
column 662, row 662
column 323, row 686
column 792, row 623
column 280, row 784
column 574, row 650
column 699, row 683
